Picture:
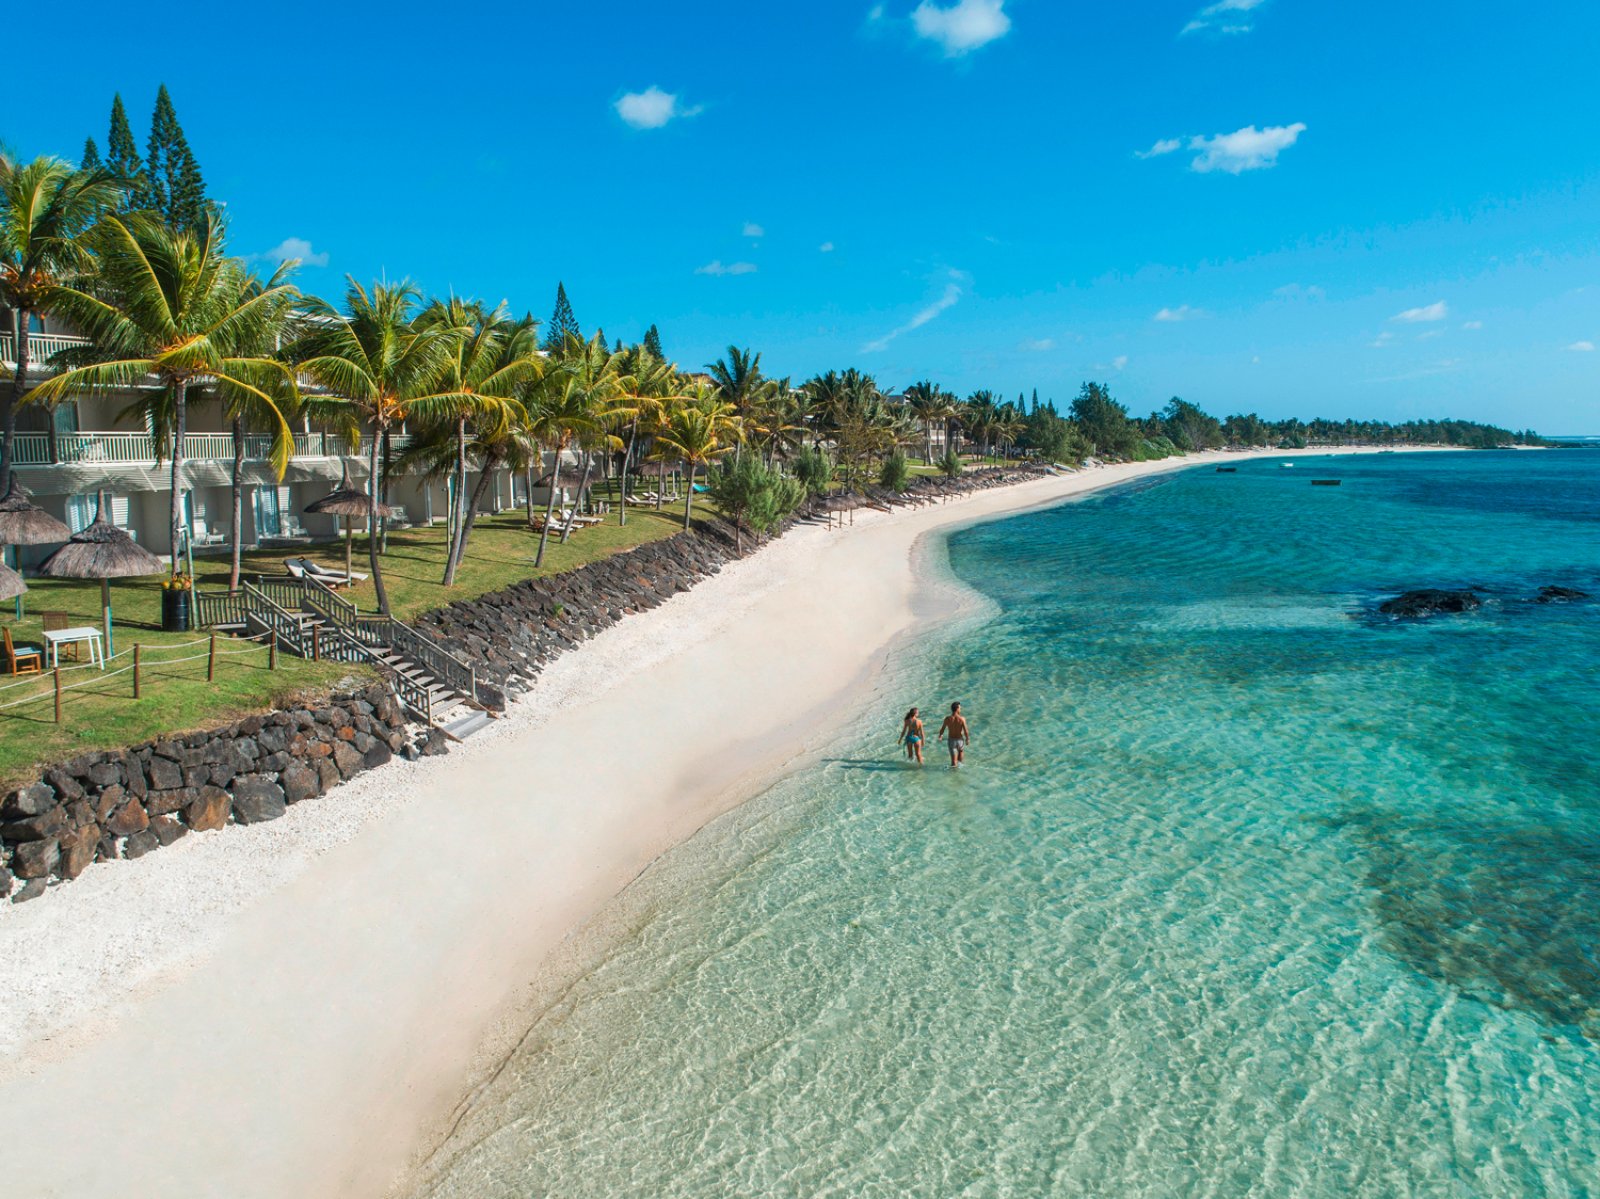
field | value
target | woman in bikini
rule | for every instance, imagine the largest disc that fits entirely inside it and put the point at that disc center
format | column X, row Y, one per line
column 911, row 736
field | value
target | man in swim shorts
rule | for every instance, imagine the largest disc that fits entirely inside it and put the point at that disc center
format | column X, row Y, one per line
column 956, row 734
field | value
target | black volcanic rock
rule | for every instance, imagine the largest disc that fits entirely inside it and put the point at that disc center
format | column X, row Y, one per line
column 1414, row 604
column 1559, row 595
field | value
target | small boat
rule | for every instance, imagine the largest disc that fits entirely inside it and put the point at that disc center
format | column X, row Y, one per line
column 1286, row 466
column 1227, row 470
column 1326, row 482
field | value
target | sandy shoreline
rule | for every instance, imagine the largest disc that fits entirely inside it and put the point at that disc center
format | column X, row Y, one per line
column 295, row 1008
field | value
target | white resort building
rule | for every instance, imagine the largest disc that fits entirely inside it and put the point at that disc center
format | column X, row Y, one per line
column 65, row 455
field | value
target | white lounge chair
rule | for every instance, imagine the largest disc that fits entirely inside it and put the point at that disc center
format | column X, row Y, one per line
column 302, row 568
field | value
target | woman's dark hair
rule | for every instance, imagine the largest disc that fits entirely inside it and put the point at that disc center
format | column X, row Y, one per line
column 911, row 713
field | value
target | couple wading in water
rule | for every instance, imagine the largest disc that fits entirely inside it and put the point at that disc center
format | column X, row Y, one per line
column 954, row 731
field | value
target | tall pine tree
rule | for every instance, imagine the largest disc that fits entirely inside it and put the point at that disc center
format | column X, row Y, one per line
column 562, row 323
column 122, row 159
column 177, row 190
column 652, row 343
column 91, row 156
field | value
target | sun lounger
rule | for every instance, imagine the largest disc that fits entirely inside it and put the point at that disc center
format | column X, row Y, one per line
column 302, row 568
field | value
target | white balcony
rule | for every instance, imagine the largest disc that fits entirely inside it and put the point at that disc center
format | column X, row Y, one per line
column 41, row 348
column 139, row 449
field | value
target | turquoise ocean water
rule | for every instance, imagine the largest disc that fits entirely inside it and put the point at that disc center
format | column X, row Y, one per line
column 1243, row 892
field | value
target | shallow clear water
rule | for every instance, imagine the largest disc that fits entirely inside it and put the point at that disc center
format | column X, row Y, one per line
column 1243, row 892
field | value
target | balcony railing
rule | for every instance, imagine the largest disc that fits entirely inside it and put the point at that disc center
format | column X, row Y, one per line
column 41, row 347
column 33, row 449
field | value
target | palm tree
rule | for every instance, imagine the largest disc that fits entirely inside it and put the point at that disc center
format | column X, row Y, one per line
column 46, row 207
column 737, row 380
column 699, row 433
column 245, row 409
column 980, row 416
column 564, row 408
column 494, row 356
column 385, row 369
column 777, row 421
column 172, row 306
column 932, row 405
column 653, row 388
column 602, row 375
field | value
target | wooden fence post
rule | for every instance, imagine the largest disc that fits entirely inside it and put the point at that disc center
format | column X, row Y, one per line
column 211, row 660
column 58, row 694
column 272, row 650
column 316, row 643
column 135, row 670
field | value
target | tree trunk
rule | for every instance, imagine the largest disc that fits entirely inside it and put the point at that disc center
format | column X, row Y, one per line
column 661, row 481
column 471, row 516
column 458, row 508
column 380, row 493
column 180, row 419
column 627, row 457
column 372, row 530
column 19, row 385
column 529, row 496
column 238, row 502
column 588, row 464
column 688, row 497
column 549, row 508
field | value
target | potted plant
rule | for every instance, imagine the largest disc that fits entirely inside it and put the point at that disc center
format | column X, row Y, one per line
column 177, row 596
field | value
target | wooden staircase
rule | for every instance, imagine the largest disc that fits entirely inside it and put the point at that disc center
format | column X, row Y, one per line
column 310, row 620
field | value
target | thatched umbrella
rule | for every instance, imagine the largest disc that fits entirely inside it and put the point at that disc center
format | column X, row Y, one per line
column 22, row 523
column 101, row 551
column 344, row 502
column 10, row 583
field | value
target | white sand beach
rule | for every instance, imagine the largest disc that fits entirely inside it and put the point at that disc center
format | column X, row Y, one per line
column 293, row 1009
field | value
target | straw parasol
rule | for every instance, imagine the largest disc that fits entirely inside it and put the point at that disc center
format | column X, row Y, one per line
column 22, row 523
column 346, row 501
column 10, row 583
column 101, row 551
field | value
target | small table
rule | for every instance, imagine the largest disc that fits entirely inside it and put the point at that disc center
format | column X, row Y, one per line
column 56, row 638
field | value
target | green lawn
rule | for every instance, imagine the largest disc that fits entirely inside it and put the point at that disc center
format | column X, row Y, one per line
column 102, row 713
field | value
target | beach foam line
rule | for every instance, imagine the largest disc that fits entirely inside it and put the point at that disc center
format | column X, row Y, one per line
column 296, row 1008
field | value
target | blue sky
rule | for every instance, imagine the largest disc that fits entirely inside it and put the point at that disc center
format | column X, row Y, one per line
column 1289, row 206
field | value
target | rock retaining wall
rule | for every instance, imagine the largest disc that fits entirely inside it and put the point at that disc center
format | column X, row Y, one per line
column 128, row 803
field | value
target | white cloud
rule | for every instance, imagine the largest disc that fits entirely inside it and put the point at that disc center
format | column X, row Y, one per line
column 962, row 27
column 826, row 247
column 1120, row 361
column 751, row 229
column 1294, row 291
column 1181, row 313
column 1247, row 149
column 651, row 108
column 1432, row 312
column 952, row 295
column 1473, row 325
column 1382, row 340
column 1038, row 346
column 1430, row 334
column 294, row 247
column 1225, row 16
column 718, row 267
column 1582, row 347
column 1167, row 145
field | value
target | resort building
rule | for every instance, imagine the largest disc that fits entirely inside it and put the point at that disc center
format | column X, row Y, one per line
column 90, row 443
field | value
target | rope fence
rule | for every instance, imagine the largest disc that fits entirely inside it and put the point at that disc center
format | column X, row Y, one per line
column 140, row 668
